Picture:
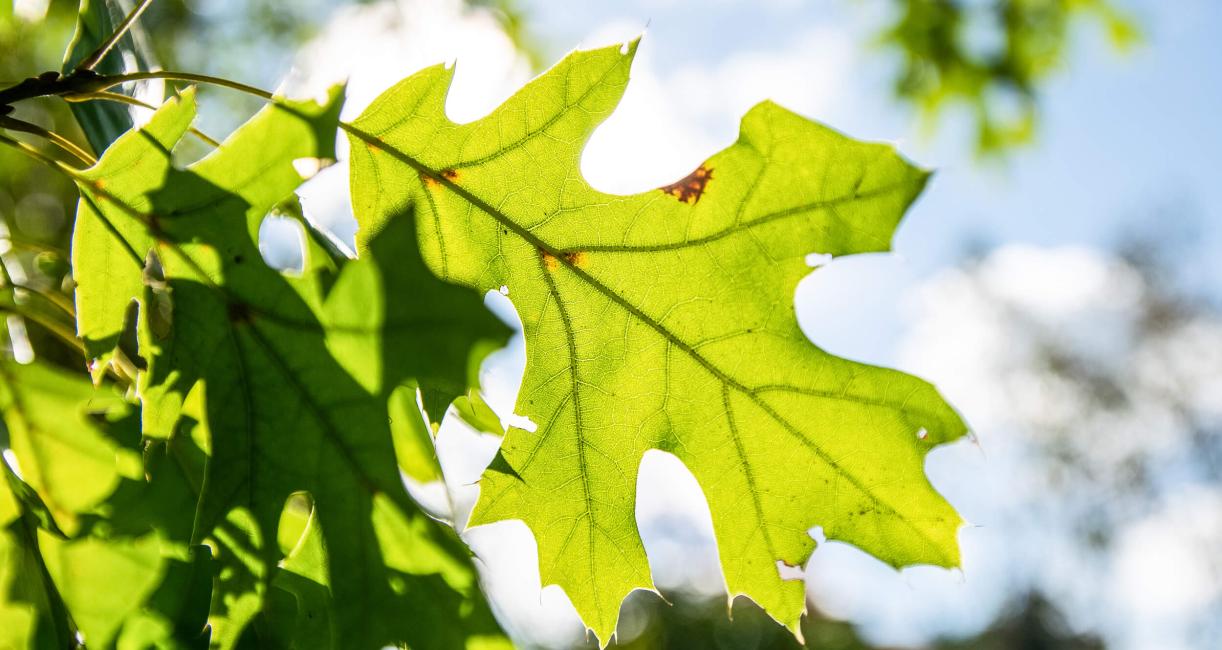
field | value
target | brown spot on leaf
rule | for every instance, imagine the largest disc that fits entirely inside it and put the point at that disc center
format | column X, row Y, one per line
column 549, row 260
column 431, row 180
column 692, row 187
column 575, row 258
column 239, row 313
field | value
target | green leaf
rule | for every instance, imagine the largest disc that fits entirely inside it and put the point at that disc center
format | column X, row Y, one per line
column 31, row 613
column 412, row 438
column 473, row 410
column 295, row 371
column 125, row 571
column 664, row 320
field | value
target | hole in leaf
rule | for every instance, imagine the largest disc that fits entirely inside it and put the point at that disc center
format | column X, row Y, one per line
column 789, row 571
column 10, row 457
column 501, row 373
column 676, row 526
column 293, row 520
column 521, row 422
column 307, row 168
column 815, row 260
column 282, row 244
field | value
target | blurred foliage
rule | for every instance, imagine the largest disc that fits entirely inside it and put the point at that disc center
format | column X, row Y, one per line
column 991, row 56
column 514, row 20
column 1031, row 622
column 36, row 202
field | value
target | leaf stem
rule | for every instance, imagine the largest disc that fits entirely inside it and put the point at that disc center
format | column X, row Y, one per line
column 206, row 79
column 71, row 172
column 111, row 81
column 33, row 246
column 60, row 331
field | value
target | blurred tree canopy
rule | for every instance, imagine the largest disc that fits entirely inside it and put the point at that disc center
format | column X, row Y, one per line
column 1031, row 622
column 991, row 56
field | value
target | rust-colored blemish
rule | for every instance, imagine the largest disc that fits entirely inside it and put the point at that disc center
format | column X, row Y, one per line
column 575, row 258
column 549, row 260
column 239, row 313
column 691, row 187
column 431, row 180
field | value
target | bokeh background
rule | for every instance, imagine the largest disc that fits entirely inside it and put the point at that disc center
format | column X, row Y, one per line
column 1060, row 279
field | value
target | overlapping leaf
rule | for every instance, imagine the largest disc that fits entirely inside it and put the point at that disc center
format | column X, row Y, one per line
column 664, row 320
column 295, row 374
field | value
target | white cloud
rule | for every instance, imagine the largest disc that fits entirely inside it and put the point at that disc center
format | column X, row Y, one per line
column 384, row 42
column 673, row 117
column 1083, row 405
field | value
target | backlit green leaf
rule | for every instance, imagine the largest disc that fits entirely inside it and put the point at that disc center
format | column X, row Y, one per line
column 665, row 320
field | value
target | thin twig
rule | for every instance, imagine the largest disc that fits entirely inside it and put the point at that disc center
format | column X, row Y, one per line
column 69, row 171
column 60, row 331
column 91, row 61
column 32, row 246
column 14, row 124
column 132, row 101
column 60, row 301
column 111, row 81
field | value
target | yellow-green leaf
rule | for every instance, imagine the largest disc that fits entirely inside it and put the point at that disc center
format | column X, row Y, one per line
column 665, row 320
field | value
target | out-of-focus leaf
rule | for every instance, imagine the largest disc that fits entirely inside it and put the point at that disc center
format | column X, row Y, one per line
column 476, row 412
column 413, row 439
column 126, row 571
column 69, row 444
column 52, row 421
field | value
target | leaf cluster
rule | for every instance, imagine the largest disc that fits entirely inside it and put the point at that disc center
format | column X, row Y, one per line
column 230, row 470
column 990, row 57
